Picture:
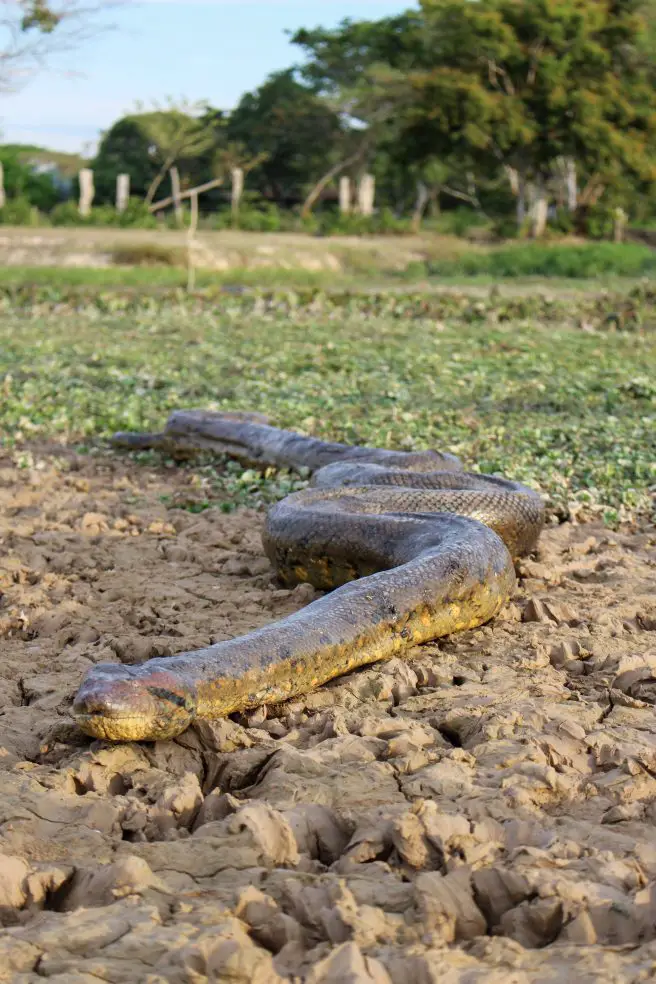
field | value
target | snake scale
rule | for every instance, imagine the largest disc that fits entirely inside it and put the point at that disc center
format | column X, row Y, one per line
column 409, row 546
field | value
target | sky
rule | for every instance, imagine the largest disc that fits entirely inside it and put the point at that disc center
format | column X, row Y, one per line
column 210, row 50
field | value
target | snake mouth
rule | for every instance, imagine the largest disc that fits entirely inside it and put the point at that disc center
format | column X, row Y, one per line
column 122, row 703
column 117, row 727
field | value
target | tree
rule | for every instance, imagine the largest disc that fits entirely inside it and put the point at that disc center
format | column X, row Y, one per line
column 32, row 30
column 146, row 145
column 230, row 159
column 176, row 135
column 124, row 149
column 337, row 59
column 359, row 70
column 356, row 68
column 296, row 130
column 522, row 84
column 24, row 182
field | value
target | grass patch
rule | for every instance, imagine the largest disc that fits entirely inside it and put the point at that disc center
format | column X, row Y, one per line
column 360, row 277
column 147, row 276
column 149, row 254
column 569, row 411
column 535, row 259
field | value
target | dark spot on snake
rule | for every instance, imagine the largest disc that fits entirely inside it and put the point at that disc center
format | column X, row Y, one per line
column 163, row 694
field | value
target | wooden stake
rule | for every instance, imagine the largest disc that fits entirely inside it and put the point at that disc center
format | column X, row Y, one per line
column 122, row 192
column 344, row 195
column 165, row 202
column 175, row 194
column 191, row 232
column 366, row 194
column 237, row 190
column 87, row 191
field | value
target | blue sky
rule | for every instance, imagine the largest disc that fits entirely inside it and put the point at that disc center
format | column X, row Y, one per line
column 199, row 49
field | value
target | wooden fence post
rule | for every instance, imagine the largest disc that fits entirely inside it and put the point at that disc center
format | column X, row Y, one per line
column 175, row 194
column 122, row 192
column 191, row 232
column 619, row 224
column 87, row 191
column 3, row 197
column 366, row 194
column 344, row 195
column 237, row 190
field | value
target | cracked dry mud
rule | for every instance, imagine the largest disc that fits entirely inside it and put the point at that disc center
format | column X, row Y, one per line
column 484, row 811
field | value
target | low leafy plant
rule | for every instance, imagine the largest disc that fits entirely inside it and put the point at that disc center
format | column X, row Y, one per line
column 539, row 260
column 149, row 254
column 510, row 384
column 20, row 212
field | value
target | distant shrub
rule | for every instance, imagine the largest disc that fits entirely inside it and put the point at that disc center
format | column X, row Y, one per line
column 507, row 228
column 456, row 222
column 20, row 212
column 563, row 222
column 22, row 182
column 383, row 222
column 537, row 260
column 599, row 221
column 67, row 214
column 149, row 254
column 136, row 215
column 256, row 215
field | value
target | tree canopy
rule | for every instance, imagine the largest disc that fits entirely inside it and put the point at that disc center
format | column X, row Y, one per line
column 501, row 104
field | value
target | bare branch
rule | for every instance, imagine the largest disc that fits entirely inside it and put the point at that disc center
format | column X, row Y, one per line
column 462, row 195
column 164, row 202
column 31, row 31
column 329, row 175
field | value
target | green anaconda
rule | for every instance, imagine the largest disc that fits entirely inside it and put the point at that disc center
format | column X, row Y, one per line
column 409, row 546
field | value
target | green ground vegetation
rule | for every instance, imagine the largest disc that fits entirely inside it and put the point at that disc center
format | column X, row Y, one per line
column 558, row 395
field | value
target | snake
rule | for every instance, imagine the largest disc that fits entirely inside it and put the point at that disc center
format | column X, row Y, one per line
column 405, row 546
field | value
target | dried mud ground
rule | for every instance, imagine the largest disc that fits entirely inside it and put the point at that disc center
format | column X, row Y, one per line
column 484, row 811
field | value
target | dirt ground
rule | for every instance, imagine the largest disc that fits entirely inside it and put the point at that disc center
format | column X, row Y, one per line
column 224, row 250
column 484, row 811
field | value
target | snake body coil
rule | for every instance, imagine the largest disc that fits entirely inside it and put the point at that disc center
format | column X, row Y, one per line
column 409, row 546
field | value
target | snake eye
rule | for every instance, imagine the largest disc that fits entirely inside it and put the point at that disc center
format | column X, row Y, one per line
column 178, row 699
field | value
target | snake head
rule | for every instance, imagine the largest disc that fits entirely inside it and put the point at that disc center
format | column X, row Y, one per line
column 126, row 703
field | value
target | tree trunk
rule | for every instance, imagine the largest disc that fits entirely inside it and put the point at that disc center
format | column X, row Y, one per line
column 539, row 209
column 619, row 225
column 434, row 201
column 571, row 184
column 513, row 177
column 175, row 195
column 521, row 201
column 323, row 182
column 3, row 197
column 518, row 188
column 159, row 177
column 420, row 206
